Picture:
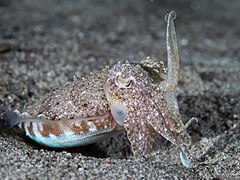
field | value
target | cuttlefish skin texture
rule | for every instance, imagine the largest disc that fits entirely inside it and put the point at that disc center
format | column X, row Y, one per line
column 136, row 97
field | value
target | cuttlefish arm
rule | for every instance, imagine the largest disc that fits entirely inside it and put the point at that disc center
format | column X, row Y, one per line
column 140, row 134
column 171, row 81
column 180, row 140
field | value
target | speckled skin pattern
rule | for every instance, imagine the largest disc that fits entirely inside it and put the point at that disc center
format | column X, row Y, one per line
column 149, row 109
column 79, row 114
column 84, row 97
column 136, row 97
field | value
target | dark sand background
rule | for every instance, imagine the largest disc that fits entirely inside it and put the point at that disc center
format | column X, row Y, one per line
column 43, row 44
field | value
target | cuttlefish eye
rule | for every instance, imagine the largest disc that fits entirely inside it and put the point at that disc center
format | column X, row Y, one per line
column 124, row 82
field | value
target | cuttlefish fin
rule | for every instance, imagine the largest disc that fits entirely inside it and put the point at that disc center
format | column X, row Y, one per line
column 14, row 119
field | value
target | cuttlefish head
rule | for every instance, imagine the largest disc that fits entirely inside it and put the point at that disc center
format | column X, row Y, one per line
column 125, row 81
column 129, row 90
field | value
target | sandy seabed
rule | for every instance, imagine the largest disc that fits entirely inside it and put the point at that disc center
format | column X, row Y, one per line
column 44, row 44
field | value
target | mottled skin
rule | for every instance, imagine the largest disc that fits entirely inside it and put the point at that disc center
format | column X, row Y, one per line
column 150, row 110
column 136, row 97
column 84, row 97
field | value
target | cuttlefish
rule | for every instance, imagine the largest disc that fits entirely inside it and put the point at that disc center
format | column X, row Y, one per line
column 136, row 97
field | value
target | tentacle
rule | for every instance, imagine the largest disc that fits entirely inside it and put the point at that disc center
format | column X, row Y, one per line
column 140, row 134
column 184, row 156
column 175, row 123
column 170, row 83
